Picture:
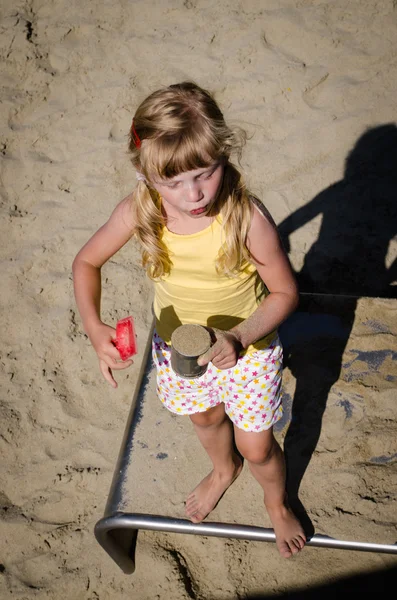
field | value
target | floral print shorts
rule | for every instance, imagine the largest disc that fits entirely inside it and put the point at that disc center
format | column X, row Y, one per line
column 250, row 390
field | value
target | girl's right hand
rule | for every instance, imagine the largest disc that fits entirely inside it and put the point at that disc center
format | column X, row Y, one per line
column 102, row 338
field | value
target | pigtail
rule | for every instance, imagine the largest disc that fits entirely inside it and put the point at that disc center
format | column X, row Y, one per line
column 149, row 231
column 235, row 211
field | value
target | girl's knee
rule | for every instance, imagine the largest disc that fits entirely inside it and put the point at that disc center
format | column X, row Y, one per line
column 258, row 456
column 257, row 448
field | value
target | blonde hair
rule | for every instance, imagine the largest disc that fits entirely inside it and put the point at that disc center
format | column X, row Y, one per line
column 181, row 128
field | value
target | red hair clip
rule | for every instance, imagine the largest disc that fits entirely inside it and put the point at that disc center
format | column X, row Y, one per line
column 137, row 140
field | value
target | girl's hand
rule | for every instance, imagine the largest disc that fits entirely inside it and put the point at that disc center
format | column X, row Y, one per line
column 224, row 352
column 102, row 338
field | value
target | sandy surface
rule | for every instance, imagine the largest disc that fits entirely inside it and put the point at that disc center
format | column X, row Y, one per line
column 306, row 79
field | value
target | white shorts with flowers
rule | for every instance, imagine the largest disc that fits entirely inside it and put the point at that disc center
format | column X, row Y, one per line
column 250, row 390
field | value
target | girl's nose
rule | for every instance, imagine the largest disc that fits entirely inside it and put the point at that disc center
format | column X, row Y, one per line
column 194, row 192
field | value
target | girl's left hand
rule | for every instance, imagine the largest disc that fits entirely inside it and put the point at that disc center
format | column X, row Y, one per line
column 224, row 352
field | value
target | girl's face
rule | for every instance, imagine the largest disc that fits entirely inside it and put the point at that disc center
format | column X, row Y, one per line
column 191, row 193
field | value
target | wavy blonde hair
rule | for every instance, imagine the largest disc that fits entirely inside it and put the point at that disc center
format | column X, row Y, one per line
column 181, row 129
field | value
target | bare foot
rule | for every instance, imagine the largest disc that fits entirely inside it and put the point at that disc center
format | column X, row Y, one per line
column 290, row 537
column 209, row 491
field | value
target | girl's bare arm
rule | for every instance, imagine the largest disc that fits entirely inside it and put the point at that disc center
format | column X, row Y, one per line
column 275, row 270
column 112, row 236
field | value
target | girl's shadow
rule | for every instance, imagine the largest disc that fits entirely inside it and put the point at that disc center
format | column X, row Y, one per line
column 347, row 261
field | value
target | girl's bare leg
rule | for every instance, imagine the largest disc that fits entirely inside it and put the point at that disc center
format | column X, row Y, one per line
column 215, row 433
column 266, row 462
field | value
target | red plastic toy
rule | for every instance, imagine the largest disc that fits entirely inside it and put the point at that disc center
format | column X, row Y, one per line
column 125, row 341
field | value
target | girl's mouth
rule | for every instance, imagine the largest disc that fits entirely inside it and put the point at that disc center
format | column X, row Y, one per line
column 198, row 211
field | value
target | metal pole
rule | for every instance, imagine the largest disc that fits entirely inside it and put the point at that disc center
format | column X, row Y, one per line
column 249, row 532
column 117, row 535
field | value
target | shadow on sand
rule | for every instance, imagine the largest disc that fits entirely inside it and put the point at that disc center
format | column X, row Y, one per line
column 377, row 583
column 346, row 262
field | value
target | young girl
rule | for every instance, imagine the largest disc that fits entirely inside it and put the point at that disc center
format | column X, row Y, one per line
column 215, row 258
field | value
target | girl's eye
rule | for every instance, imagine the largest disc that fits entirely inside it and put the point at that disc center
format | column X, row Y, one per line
column 169, row 184
column 207, row 175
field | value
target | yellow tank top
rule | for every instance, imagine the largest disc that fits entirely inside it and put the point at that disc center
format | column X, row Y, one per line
column 195, row 293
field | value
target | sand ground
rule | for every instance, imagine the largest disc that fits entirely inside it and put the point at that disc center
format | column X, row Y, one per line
column 307, row 80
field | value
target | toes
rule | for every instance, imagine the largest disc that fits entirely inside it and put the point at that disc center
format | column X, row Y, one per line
column 291, row 547
column 191, row 506
column 299, row 542
column 195, row 516
column 192, row 510
column 285, row 550
column 294, row 549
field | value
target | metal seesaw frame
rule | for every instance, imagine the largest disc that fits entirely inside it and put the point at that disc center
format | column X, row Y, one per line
column 117, row 531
